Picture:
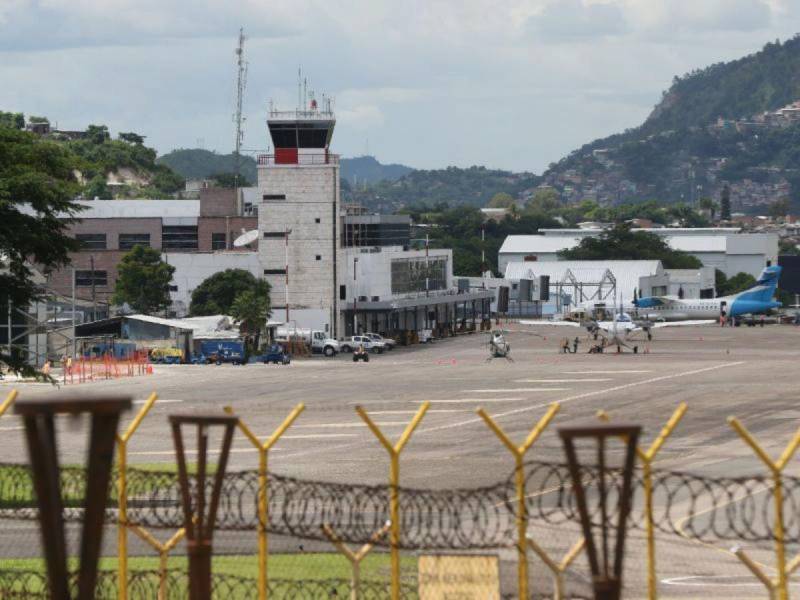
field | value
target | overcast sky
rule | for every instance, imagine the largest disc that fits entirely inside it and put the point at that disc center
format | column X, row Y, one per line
column 513, row 84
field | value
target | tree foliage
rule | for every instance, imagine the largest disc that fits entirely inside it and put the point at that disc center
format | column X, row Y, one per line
column 251, row 308
column 620, row 243
column 217, row 293
column 228, row 180
column 738, row 283
column 725, row 204
column 12, row 120
column 143, row 280
column 39, row 174
column 502, row 200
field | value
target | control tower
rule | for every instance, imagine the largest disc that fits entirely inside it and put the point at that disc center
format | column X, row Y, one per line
column 298, row 217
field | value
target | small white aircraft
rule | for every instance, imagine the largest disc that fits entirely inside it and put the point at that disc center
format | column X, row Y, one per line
column 619, row 330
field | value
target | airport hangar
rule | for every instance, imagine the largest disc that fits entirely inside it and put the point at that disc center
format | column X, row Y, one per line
column 725, row 248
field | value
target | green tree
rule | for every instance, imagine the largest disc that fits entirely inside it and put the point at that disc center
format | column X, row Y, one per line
column 787, row 246
column 143, row 280
column 217, row 293
column 97, row 188
column 98, row 134
column 228, row 180
column 131, row 138
column 38, row 174
column 250, row 309
column 620, row 243
column 739, row 283
column 709, row 205
column 720, row 282
column 12, row 120
column 544, row 201
column 501, row 200
column 779, row 208
column 33, row 119
column 725, row 203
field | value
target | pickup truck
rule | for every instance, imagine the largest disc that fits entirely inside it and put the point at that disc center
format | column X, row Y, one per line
column 389, row 342
column 352, row 343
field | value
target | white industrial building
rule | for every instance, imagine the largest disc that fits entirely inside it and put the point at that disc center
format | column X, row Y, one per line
column 726, row 249
column 573, row 283
column 333, row 267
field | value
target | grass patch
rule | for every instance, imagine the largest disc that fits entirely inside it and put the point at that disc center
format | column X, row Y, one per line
column 298, row 567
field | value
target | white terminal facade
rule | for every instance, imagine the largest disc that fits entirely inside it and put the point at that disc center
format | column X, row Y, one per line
column 347, row 271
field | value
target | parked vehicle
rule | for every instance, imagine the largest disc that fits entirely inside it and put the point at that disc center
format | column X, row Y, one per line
column 360, row 353
column 318, row 340
column 223, row 351
column 275, row 355
column 389, row 342
column 352, row 343
column 166, row 356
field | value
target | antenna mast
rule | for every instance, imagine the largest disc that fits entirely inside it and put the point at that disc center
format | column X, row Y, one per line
column 241, row 82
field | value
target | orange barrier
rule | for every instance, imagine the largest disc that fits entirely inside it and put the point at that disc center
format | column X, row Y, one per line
column 94, row 368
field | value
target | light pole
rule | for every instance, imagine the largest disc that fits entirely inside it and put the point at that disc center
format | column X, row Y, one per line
column 355, row 295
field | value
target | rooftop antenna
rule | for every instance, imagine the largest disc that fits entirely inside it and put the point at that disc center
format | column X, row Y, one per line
column 299, row 88
column 241, row 82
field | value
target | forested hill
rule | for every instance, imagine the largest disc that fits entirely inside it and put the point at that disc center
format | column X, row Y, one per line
column 723, row 125
column 453, row 186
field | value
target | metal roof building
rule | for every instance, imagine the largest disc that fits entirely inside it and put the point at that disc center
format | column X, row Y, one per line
column 726, row 249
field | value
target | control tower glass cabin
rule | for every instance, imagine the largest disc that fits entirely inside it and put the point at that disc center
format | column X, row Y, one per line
column 302, row 136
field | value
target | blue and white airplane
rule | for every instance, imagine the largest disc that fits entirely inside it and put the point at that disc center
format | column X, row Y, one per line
column 757, row 300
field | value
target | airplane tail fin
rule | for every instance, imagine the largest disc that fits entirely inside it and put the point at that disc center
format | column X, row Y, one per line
column 764, row 289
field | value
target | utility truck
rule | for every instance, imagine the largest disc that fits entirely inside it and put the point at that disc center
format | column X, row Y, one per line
column 318, row 341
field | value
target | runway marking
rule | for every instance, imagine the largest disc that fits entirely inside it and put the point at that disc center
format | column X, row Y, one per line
column 515, row 390
column 590, row 394
column 356, row 424
column 312, row 436
column 413, row 412
column 594, row 380
column 159, row 401
column 605, row 372
column 460, row 400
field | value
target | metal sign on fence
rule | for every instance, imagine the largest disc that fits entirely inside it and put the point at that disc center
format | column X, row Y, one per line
column 458, row 576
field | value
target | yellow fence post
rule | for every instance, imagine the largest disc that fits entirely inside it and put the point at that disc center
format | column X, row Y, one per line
column 558, row 568
column 122, row 497
column 263, row 449
column 394, row 482
column 519, row 472
column 355, row 558
column 163, row 554
column 781, row 585
column 12, row 395
column 647, row 457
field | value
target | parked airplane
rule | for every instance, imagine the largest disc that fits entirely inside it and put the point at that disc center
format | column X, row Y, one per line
column 619, row 330
column 756, row 300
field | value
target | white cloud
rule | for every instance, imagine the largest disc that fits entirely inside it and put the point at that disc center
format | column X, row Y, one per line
column 516, row 84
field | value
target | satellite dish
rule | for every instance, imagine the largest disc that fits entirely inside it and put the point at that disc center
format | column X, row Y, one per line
column 247, row 237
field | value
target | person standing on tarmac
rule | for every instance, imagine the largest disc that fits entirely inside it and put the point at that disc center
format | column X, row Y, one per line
column 565, row 346
column 575, row 343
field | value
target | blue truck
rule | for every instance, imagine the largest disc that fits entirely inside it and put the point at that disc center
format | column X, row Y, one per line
column 221, row 351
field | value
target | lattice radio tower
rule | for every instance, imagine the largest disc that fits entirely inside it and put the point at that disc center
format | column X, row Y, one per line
column 241, row 82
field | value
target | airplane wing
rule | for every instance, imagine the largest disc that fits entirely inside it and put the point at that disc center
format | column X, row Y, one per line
column 683, row 323
column 544, row 322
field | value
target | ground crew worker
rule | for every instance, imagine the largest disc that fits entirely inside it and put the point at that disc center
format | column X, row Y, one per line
column 565, row 346
column 575, row 343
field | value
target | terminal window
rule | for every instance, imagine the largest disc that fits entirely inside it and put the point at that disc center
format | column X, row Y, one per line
column 179, row 237
column 218, row 241
column 409, row 275
column 274, row 196
column 274, row 271
column 129, row 240
column 90, row 278
column 92, row 241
